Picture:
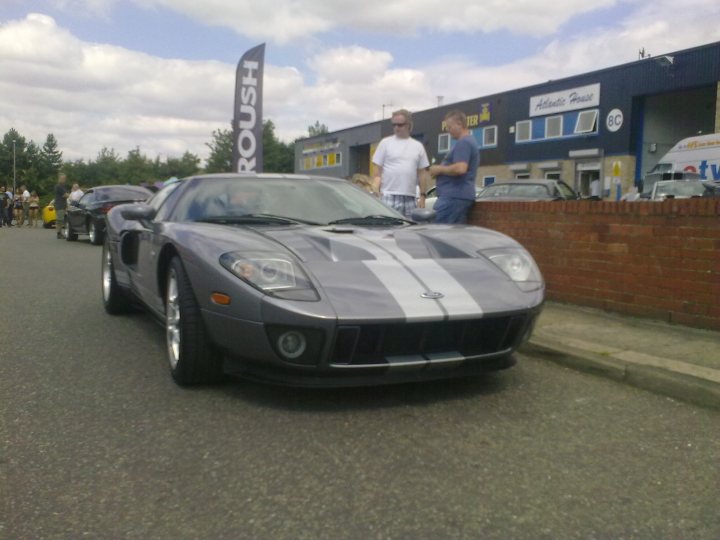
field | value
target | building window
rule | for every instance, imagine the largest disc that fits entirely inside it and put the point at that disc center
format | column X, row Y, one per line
column 444, row 143
column 490, row 136
column 522, row 176
column 552, row 175
column 522, row 130
column 553, row 126
column 487, row 180
column 586, row 122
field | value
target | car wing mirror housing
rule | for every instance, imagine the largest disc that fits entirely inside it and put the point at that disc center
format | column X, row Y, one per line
column 137, row 212
column 423, row 215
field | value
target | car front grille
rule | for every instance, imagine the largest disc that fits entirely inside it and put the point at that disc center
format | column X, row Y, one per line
column 376, row 344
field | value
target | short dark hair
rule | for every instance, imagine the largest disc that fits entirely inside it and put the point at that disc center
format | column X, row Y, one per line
column 456, row 115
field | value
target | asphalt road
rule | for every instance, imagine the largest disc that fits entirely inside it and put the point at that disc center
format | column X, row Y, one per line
column 96, row 441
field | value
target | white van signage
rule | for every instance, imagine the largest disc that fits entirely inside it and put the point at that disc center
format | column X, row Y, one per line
column 699, row 154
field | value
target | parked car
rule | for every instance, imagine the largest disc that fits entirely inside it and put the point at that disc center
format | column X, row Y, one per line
column 528, row 190
column 653, row 177
column 431, row 196
column 87, row 215
column 49, row 215
column 309, row 280
column 681, row 189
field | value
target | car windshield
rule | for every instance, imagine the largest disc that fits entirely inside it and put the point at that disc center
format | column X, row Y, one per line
column 270, row 199
column 682, row 188
column 521, row 191
column 122, row 193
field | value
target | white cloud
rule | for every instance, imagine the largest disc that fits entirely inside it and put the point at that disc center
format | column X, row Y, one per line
column 282, row 21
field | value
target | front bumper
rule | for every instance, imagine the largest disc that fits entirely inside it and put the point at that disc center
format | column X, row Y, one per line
column 374, row 352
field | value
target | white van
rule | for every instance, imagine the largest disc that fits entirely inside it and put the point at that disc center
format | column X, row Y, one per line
column 700, row 155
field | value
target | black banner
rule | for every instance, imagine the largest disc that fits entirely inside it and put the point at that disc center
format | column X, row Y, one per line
column 247, row 118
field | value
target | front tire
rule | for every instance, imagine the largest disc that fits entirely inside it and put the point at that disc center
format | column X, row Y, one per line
column 193, row 358
column 114, row 299
column 70, row 236
column 96, row 235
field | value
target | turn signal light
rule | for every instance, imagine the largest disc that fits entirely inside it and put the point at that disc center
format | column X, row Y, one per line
column 220, row 298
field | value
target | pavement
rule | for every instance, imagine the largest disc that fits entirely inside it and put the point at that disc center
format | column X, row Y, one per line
column 677, row 361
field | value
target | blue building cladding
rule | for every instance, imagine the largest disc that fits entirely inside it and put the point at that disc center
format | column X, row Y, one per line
column 632, row 92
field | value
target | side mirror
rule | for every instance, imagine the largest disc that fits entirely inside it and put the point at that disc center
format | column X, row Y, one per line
column 137, row 212
column 423, row 215
column 74, row 204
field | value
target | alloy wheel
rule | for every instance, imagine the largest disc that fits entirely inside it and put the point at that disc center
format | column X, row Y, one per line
column 172, row 319
column 106, row 275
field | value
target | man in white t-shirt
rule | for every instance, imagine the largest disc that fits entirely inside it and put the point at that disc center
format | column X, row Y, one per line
column 400, row 164
column 76, row 193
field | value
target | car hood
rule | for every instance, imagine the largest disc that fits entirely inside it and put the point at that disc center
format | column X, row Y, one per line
column 418, row 273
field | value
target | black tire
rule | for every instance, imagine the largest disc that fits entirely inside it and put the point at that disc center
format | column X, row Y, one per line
column 96, row 235
column 193, row 358
column 70, row 236
column 115, row 301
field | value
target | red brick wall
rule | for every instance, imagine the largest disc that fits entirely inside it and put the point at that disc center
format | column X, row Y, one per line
column 652, row 259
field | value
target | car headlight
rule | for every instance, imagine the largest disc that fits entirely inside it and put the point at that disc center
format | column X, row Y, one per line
column 519, row 267
column 275, row 274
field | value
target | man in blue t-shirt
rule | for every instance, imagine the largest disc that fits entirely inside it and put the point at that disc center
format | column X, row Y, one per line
column 455, row 176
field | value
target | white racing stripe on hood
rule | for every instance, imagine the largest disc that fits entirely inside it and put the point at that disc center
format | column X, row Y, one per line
column 404, row 287
column 407, row 282
column 456, row 299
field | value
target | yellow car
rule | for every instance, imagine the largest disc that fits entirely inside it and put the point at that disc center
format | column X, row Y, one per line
column 48, row 216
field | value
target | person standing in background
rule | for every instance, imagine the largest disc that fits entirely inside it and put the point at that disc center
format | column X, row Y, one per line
column 76, row 193
column 60, row 202
column 455, row 176
column 34, row 209
column 25, row 204
column 400, row 164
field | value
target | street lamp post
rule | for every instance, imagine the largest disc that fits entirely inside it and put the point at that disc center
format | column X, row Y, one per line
column 14, row 174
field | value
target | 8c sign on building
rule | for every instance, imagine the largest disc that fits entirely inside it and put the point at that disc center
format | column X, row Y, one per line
column 614, row 120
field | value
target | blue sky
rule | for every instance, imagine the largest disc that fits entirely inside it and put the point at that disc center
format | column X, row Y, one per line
column 159, row 74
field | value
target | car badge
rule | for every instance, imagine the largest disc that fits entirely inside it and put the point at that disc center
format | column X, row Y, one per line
column 433, row 295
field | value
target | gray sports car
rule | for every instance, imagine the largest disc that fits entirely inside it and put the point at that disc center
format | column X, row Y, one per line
column 311, row 281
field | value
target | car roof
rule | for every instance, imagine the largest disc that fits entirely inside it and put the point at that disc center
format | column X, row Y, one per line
column 256, row 175
column 544, row 181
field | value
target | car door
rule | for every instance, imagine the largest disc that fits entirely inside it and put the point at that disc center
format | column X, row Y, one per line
column 151, row 239
column 76, row 211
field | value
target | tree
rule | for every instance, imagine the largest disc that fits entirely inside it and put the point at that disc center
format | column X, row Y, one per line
column 220, row 159
column 106, row 168
column 317, row 129
column 277, row 156
column 51, row 156
column 187, row 165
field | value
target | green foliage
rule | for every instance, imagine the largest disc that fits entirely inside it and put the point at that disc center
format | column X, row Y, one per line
column 317, row 129
column 277, row 155
column 37, row 167
column 220, row 159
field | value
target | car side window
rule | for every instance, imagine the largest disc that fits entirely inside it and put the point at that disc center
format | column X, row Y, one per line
column 86, row 199
column 566, row 190
column 162, row 201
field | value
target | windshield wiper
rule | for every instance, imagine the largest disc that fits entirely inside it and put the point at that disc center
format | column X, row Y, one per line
column 256, row 219
column 376, row 219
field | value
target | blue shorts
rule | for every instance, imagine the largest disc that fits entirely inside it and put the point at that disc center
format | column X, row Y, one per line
column 451, row 210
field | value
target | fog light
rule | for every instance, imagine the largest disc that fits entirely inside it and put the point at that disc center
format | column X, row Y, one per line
column 292, row 344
